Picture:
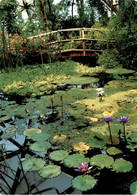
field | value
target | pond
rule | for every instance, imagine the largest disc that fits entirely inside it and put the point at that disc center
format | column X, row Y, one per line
column 71, row 141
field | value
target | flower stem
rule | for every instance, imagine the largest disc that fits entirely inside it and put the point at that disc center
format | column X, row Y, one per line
column 124, row 131
column 110, row 134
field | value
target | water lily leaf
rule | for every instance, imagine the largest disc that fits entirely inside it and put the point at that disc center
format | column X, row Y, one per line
column 133, row 187
column 50, row 171
column 40, row 146
column 81, row 146
column 32, row 164
column 20, row 122
column 119, row 71
column 133, row 136
column 95, row 143
column 113, row 151
column 5, row 118
column 7, row 135
column 58, row 155
column 31, row 132
column 122, row 165
column 59, row 138
column 40, row 137
column 83, row 183
column 102, row 160
column 74, row 160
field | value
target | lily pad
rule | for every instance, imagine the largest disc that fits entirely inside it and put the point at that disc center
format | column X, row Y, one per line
column 32, row 164
column 40, row 137
column 119, row 71
column 40, row 146
column 31, row 132
column 133, row 187
column 133, row 136
column 81, row 146
column 122, row 165
column 113, row 151
column 58, row 155
column 94, row 143
column 83, row 183
column 50, row 171
column 74, row 160
column 102, row 160
column 7, row 135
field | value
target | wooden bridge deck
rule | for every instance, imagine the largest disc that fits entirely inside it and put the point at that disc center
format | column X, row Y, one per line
column 74, row 42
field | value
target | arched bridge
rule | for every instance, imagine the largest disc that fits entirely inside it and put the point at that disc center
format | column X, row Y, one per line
column 75, row 42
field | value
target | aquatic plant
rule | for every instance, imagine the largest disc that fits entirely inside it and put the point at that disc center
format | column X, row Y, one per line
column 123, row 120
column 100, row 93
column 51, row 99
column 83, row 168
column 109, row 119
column 61, row 98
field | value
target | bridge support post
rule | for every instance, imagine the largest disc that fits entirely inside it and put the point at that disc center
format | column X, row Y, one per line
column 84, row 48
column 59, row 39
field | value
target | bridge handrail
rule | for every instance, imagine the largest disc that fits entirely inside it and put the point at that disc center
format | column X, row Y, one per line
column 67, row 30
column 81, row 38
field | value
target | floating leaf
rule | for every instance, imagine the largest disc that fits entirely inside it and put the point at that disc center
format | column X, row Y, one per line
column 40, row 146
column 59, row 138
column 121, row 165
column 7, row 135
column 50, row 171
column 113, row 151
column 5, row 118
column 81, row 146
column 74, row 160
column 31, row 132
column 133, row 187
column 40, row 137
column 58, row 155
column 32, row 164
column 133, row 136
column 95, row 143
column 102, row 160
column 83, row 183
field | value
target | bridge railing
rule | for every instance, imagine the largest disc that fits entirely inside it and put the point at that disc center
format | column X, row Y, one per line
column 82, row 40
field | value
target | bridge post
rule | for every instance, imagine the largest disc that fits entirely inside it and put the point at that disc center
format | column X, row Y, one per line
column 84, row 48
column 59, row 39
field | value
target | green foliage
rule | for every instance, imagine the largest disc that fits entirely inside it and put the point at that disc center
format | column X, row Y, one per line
column 133, row 187
column 32, row 164
column 101, row 160
column 122, row 165
column 108, row 59
column 83, row 183
column 74, row 160
column 113, row 151
column 58, row 155
column 50, row 171
column 123, row 27
column 40, row 146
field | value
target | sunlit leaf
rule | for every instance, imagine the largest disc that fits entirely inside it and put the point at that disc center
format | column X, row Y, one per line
column 58, row 155
column 74, row 160
column 40, row 146
column 50, row 171
column 102, row 160
column 40, row 137
column 31, row 132
column 32, row 164
column 113, row 151
column 81, row 146
column 83, row 183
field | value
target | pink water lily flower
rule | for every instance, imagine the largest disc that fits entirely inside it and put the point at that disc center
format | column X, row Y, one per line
column 83, row 167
